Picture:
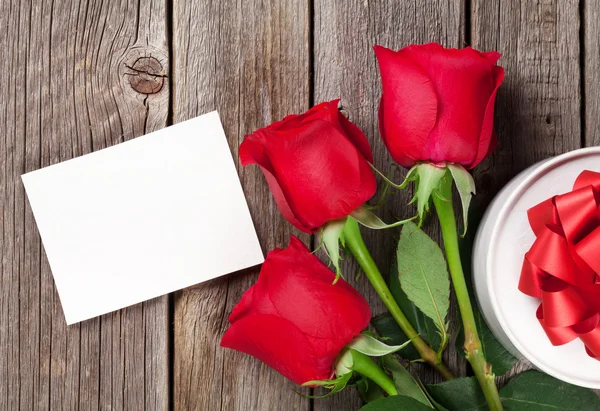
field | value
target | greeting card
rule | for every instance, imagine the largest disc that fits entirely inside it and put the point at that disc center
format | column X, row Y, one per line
column 143, row 218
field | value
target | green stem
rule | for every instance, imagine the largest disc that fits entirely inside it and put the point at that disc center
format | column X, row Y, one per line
column 358, row 248
column 473, row 347
column 366, row 366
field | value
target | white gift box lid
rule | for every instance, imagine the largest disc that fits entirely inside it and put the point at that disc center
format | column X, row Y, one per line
column 502, row 240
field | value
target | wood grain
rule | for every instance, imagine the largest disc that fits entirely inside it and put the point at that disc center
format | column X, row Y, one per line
column 65, row 92
column 538, row 109
column 250, row 60
column 590, row 12
column 345, row 66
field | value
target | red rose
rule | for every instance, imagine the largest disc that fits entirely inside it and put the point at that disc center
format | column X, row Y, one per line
column 294, row 319
column 316, row 165
column 438, row 104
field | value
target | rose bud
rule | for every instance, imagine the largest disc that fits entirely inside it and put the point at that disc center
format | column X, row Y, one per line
column 438, row 104
column 316, row 164
column 294, row 319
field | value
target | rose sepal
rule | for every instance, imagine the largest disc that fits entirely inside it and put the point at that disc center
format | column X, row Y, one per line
column 428, row 177
column 466, row 189
column 369, row 345
column 355, row 357
column 331, row 236
column 410, row 177
column 332, row 233
column 370, row 220
column 364, row 344
column 334, row 385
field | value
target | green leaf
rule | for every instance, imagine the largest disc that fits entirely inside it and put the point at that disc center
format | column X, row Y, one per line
column 535, row 391
column 462, row 394
column 331, row 234
column 405, row 383
column 436, row 405
column 366, row 217
column 371, row 346
column 501, row 360
column 428, row 179
column 423, row 275
column 396, row 403
column 389, row 329
column 466, row 188
column 368, row 390
column 423, row 324
column 529, row 391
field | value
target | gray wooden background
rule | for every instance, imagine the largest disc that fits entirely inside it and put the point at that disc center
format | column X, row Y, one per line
column 78, row 76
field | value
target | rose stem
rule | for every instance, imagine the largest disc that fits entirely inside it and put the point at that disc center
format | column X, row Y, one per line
column 472, row 347
column 358, row 248
column 366, row 366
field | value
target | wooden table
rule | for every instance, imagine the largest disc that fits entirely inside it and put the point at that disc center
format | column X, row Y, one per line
column 81, row 76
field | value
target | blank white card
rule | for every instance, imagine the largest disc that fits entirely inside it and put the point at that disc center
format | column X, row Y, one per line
column 143, row 218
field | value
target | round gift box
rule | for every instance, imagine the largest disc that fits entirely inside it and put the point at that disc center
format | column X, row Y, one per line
column 502, row 240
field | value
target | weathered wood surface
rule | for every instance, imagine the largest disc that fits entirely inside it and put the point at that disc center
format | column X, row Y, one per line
column 65, row 92
column 69, row 72
column 249, row 60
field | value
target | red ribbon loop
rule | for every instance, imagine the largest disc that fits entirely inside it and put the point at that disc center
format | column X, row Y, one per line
column 562, row 268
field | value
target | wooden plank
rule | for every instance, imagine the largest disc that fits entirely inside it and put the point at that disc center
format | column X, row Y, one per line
column 12, row 204
column 590, row 10
column 250, row 60
column 538, row 110
column 65, row 93
column 345, row 66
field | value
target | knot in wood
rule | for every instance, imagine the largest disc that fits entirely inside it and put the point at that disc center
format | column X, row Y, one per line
column 146, row 75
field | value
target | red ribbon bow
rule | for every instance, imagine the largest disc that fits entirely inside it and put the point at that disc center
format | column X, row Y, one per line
column 563, row 265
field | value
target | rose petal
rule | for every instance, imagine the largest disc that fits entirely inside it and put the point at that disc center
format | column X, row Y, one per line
column 320, row 173
column 329, row 112
column 282, row 203
column 411, row 105
column 279, row 344
column 487, row 139
column 399, row 157
column 357, row 137
column 463, row 84
column 301, row 289
column 253, row 151
column 256, row 300
column 492, row 56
